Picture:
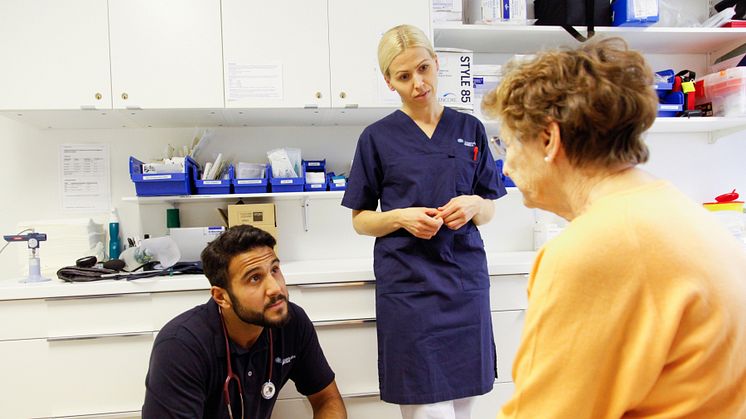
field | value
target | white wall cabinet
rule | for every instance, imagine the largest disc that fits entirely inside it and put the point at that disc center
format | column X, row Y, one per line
column 166, row 54
column 355, row 27
column 55, row 55
column 318, row 53
column 122, row 54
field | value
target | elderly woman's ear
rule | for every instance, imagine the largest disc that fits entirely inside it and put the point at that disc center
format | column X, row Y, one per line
column 552, row 141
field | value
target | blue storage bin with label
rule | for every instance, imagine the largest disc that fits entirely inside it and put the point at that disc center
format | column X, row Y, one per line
column 671, row 104
column 634, row 12
column 314, row 169
column 336, row 183
column 163, row 184
column 251, row 185
column 215, row 186
column 285, row 184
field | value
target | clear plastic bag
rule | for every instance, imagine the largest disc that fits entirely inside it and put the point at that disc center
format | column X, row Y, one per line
column 671, row 14
column 285, row 162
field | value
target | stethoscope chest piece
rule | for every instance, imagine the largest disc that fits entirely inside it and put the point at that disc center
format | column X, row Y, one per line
column 268, row 390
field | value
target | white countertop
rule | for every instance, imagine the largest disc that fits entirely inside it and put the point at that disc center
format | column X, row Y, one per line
column 296, row 272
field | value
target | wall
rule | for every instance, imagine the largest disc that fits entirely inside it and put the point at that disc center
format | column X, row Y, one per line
column 31, row 184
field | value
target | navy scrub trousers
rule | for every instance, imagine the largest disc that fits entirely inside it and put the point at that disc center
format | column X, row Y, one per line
column 435, row 339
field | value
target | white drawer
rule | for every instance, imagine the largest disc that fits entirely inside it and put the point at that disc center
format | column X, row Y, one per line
column 370, row 407
column 24, row 389
column 508, row 292
column 507, row 327
column 352, row 352
column 167, row 305
column 99, row 315
column 23, row 319
column 336, row 301
column 89, row 376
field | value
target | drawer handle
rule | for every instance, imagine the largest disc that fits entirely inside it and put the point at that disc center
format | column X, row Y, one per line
column 94, row 297
column 334, row 284
column 101, row 336
column 346, row 322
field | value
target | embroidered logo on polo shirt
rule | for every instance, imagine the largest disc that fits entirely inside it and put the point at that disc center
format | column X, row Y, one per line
column 284, row 361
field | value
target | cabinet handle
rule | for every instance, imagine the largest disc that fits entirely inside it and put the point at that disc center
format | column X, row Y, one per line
column 351, row 106
column 334, row 284
column 342, row 95
column 97, row 296
column 318, row 95
column 125, row 96
column 98, row 96
column 100, row 336
column 346, row 322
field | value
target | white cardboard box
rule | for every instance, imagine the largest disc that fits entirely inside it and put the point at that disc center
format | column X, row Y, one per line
column 455, row 84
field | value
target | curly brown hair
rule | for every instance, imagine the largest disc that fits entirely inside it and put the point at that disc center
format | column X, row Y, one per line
column 599, row 94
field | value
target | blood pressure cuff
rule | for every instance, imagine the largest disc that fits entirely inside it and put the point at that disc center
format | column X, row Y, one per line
column 78, row 274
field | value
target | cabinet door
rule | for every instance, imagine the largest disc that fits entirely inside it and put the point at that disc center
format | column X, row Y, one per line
column 24, row 389
column 55, row 54
column 355, row 27
column 276, row 54
column 507, row 327
column 488, row 405
column 166, row 54
column 96, row 376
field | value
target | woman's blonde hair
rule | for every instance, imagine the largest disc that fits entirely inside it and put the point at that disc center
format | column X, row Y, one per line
column 398, row 39
column 600, row 95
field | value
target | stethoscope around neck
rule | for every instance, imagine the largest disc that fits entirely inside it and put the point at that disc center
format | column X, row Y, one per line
column 268, row 388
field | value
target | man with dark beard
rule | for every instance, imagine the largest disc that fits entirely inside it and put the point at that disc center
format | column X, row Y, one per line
column 229, row 357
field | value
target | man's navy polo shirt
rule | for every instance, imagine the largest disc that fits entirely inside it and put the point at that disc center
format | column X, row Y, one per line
column 188, row 366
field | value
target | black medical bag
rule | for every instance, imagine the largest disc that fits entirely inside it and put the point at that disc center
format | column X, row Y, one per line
column 569, row 13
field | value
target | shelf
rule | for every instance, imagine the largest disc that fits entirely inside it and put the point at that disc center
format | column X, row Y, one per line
column 233, row 197
column 717, row 127
column 522, row 39
column 176, row 118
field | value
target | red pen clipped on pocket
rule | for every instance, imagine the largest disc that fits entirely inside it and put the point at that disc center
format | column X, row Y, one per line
column 476, row 150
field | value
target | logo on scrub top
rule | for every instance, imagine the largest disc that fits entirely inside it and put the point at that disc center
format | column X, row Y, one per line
column 466, row 143
column 284, row 361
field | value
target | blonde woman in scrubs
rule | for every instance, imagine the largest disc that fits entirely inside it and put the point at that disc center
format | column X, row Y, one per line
column 430, row 169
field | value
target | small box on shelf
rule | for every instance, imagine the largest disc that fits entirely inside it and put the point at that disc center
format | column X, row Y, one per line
column 162, row 184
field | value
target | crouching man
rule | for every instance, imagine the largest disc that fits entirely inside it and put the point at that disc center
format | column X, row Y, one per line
column 229, row 357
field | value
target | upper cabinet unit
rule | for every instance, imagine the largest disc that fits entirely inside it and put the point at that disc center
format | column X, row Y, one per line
column 77, row 54
column 55, row 55
column 276, row 54
column 166, row 54
column 355, row 27
column 310, row 54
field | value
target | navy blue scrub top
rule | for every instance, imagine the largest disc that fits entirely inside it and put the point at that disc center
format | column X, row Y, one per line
column 435, row 339
column 188, row 366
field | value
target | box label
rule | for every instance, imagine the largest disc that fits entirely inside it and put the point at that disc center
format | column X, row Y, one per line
column 286, row 181
column 249, row 182
column 156, row 177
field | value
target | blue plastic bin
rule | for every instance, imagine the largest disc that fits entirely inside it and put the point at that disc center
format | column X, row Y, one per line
column 663, row 87
column 622, row 14
column 314, row 166
column 163, row 184
column 213, row 187
column 251, row 185
column 285, row 184
column 333, row 186
column 671, row 104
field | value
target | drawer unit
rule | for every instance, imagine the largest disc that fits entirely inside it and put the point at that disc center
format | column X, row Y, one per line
column 352, row 351
column 23, row 319
column 336, row 301
column 358, row 407
column 24, row 378
column 167, row 305
column 508, row 292
column 507, row 327
column 99, row 315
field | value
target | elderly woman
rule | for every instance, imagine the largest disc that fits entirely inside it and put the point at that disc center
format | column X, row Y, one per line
column 638, row 309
